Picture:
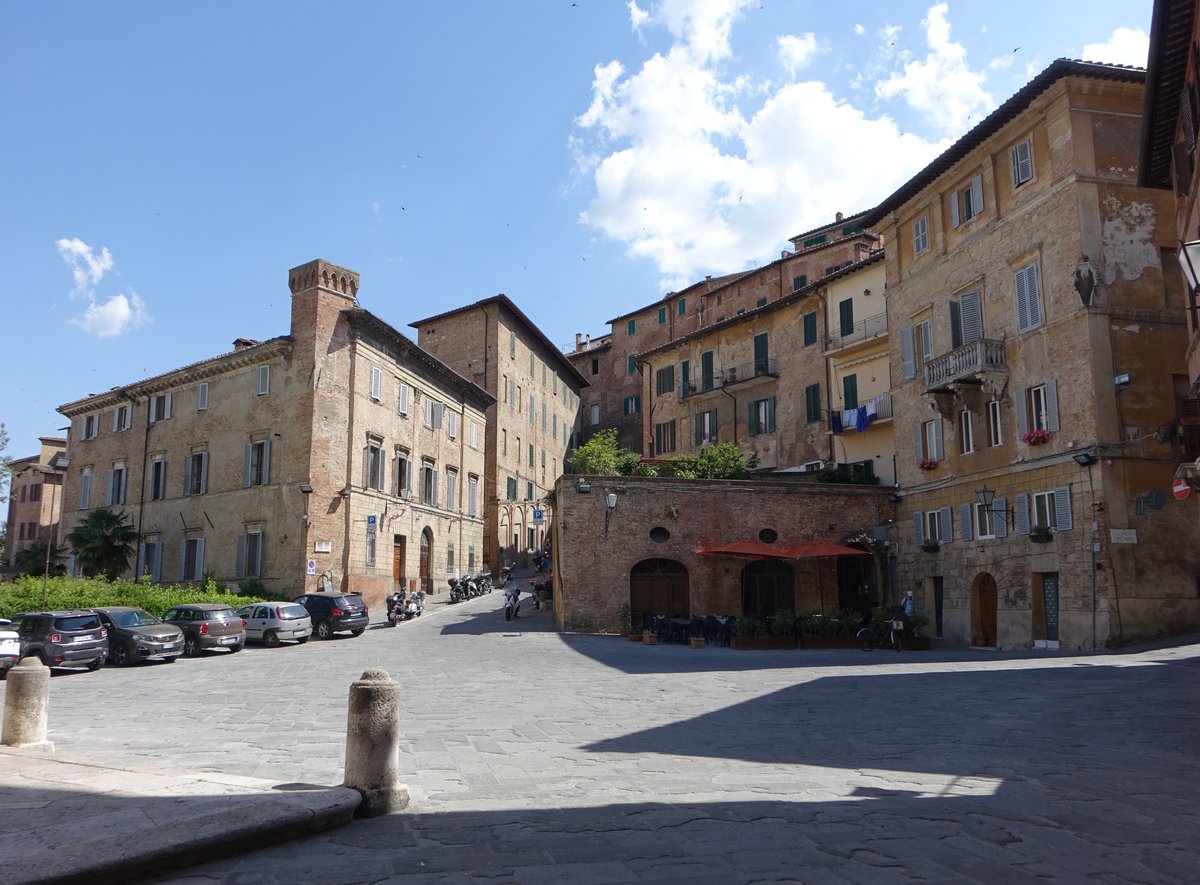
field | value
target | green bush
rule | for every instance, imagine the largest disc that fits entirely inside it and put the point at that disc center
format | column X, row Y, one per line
column 842, row 623
column 782, row 621
column 748, row 625
column 25, row 594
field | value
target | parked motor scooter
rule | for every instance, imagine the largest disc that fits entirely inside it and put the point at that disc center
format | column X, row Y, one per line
column 506, row 572
column 395, row 607
column 485, row 582
column 542, row 589
column 512, row 601
column 415, row 605
column 458, row 589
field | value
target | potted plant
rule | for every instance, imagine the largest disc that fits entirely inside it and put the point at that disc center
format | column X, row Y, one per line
column 1035, row 437
column 1041, row 534
column 931, row 546
column 626, row 619
column 927, row 464
column 649, row 637
column 635, row 634
column 697, row 642
column 750, row 632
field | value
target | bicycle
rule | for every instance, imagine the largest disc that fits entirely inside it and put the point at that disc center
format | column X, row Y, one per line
column 866, row 635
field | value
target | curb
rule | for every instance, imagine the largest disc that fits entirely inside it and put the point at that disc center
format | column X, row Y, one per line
column 120, row 824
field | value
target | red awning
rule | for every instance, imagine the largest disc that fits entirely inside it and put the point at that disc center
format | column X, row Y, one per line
column 759, row 550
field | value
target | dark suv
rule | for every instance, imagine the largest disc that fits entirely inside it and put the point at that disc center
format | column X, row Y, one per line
column 63, row 639
column 332, row 612
column 136, row 635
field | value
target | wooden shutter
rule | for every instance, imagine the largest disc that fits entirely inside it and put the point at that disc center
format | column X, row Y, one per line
column 246, row 466
column 966, row 521
column 751, row 419
column 712, row 425
column 810, row 328
column 926, row 328
column 156, row 549
column 850, row 391
column 1052, row 405
column 919, row 440
column 956, row 331
column 760, row 350
column 1021, row 407
column 1022, row 513
column 846, row 317
column 240, row 567
column 999, row 514
column 108, row 489
column 977, row 195
column 908, row 353
column 952, row 199
column 918, row 528
column 971, row 311
column 402, row 406
column 1022, row 160
column 938, row 453
column 183, row 575
column 85, row 491
column 945, row 525
column 1062, row 508
column 699, row 428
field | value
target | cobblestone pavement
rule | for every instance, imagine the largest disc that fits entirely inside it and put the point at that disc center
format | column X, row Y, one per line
column 533, row 756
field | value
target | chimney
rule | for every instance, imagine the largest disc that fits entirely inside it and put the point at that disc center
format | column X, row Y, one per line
column 587, row 341
column 578, row 340
column 244, row 343
column 838, row 218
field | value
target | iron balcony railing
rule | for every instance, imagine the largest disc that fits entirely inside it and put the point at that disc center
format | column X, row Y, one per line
column 883, row 409
column 975, row 358
column 767, row 367
column 868, row 328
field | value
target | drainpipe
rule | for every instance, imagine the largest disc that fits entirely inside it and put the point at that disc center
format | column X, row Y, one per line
column 348, row 534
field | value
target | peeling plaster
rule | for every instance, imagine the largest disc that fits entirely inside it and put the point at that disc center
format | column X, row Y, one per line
column 1127, row 238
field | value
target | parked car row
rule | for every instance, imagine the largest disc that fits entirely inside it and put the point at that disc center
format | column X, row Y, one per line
column 122, row 635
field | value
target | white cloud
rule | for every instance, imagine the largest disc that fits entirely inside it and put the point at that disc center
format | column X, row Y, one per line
column 113, row 317
column 941, row 86
column 796, row 52
column 87, row 268
column 688, row 180
column 1126, row 46
column 860, row 30
column 118, row 314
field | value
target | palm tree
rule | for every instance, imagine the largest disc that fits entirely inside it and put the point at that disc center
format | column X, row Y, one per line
column 32, row 560
column 103, row 543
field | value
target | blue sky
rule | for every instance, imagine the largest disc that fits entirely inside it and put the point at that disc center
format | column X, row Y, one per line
column 165, row 164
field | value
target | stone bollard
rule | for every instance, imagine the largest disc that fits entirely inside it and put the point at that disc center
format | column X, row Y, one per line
column 373, row 744
column 27, row 705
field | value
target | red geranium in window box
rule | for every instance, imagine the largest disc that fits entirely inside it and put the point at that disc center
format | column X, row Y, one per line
column 926, row 464
column 1036, row 437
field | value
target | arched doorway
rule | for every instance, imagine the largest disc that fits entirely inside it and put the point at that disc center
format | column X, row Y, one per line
column 426, row 560
column 768, row 586
column 658, row 587
column 984, row 605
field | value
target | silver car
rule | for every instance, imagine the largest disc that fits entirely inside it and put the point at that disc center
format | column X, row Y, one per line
column 270, row 622
column 10, row 647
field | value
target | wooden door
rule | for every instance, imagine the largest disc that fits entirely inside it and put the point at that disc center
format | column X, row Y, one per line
column 984, row 604
column 397, row 563
column 426, row 554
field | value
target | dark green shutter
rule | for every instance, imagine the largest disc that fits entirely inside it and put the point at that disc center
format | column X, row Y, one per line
column 846, row 314
column 760, row 353
column 752, row 420
column 850, row 391
column 699, row 427
column 706, row 369
column 810, row 328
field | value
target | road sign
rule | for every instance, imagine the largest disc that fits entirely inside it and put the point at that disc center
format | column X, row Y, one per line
column 538, row 515
column 312, row 566
column 1181, row 489
column 371, row 519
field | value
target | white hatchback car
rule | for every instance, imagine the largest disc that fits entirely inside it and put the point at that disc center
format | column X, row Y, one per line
column 10, row 647
column 270, row 622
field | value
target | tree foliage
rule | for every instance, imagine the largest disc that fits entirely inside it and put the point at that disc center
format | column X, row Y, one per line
column 25, row 595
column 103, row 543
column 720, row 461
column 603, row 456
column 32, row 560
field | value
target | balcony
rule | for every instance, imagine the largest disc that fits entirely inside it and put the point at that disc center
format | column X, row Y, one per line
column 763, row 368
column 883, row 409
column 965, row 363
column 869, row 328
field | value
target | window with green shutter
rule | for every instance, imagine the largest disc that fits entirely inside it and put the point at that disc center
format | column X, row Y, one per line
column 850, row 392
column 812, row 403
column 682, row 306
column 631, row 326
column 799, row 282
column 512, row 488
column 846, row 317
column 662, row 316
column 631, row 366
column 706, row 370
column 810, row 328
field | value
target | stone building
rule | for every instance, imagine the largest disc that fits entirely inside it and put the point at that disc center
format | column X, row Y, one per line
column 1039, row 315
column 34, row 500
column 537, row 395
column 657, row 548
column 1169, row 161
column 340, row 454
column 622, row 393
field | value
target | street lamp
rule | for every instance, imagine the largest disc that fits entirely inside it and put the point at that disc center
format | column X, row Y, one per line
column 1087, row 459
column 987, row 498
column 610, row 504
column 58, row 464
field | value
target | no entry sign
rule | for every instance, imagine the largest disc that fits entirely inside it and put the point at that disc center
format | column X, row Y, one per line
column 1181, row 489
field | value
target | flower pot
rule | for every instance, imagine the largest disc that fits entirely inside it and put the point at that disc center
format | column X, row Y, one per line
column 697, row 642
column 931, row 548
column 1041, row 537
column 650, row 638
column 762, row 642
column 636, row 637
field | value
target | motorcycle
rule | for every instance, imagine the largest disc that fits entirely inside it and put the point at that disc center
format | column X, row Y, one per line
column 458, row 589
column 485, row 582
column 512, row 602
column 395, row 605
column 506, row 572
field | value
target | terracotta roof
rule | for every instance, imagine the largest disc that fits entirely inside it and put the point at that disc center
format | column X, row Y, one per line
column 846, row 221
column 711, row 284
column 995, row 121
column 1166, row 72
column 507, row 303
